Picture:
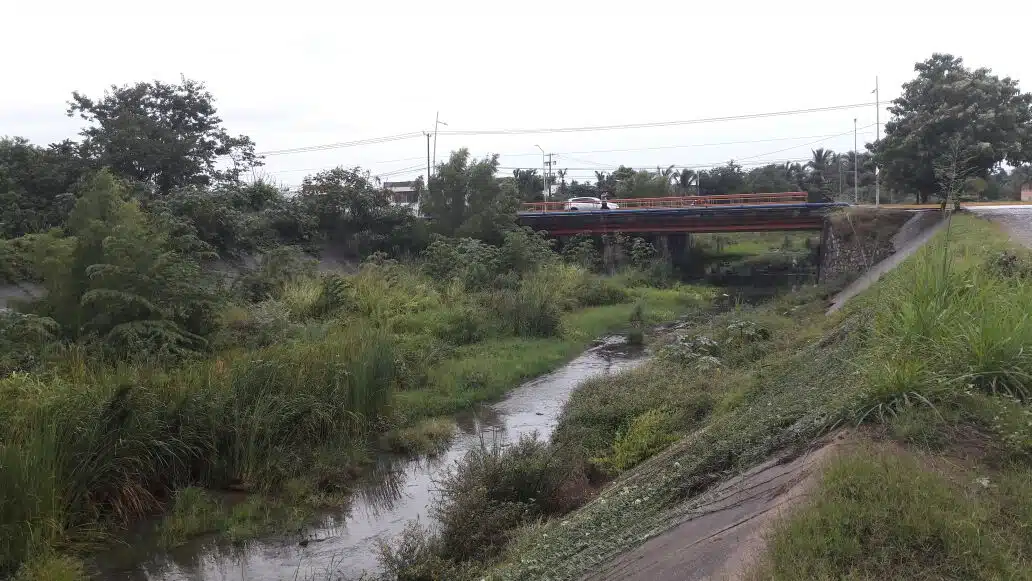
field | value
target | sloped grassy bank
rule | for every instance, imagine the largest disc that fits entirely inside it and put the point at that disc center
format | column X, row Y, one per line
column 930, row 357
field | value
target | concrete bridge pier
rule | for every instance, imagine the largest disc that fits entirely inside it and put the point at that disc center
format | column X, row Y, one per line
column 675, row 248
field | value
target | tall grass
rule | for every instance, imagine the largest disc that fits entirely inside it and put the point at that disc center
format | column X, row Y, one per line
column 947, row 322
column 113, row 448
column 884, row 515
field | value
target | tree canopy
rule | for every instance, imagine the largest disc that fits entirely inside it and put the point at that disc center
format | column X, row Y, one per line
column 165, row 135
column 988, row 118
column 466, row 199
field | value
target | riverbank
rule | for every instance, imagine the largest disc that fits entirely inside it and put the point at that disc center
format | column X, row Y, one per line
column 927, row 366
column 310, row 385
column 928, row 360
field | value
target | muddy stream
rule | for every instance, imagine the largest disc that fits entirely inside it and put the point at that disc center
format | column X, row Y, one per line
column 344, row 543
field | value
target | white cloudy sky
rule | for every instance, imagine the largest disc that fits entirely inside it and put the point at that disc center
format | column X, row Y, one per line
column 300, row 73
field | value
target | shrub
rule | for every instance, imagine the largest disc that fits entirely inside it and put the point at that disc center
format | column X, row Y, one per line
column 276, row 268
column 462, row 325
column 256, row 325
column 595, row 291
column 415, row 555
column 647, row 434
column 25, row 341
column 494, row 489
column 303, row 297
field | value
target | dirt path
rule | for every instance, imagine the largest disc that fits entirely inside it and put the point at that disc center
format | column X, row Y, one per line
column 723, row 534
column 1016, row 219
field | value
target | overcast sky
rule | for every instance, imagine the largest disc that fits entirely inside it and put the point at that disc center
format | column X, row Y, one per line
column 300, row 73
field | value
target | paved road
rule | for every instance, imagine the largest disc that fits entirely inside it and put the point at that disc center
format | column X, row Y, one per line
column 1016, row 219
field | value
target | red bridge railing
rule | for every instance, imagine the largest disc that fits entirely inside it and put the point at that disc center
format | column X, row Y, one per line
column 680, row 202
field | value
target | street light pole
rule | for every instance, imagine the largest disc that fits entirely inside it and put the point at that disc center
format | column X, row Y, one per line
column 437, row 122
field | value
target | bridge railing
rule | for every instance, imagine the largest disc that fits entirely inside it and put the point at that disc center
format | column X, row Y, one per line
column 680, row 201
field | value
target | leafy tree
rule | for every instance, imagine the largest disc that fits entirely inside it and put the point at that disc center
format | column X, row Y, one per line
column 465, row 199
column 726, row 179
column 124, row 281
column 37, row 185
column 350, row 211
column 769, row 179
column 165, row 135
column 528, row 184
column 990, row 118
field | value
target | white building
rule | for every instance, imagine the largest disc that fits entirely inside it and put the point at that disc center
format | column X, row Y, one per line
column 404, row 194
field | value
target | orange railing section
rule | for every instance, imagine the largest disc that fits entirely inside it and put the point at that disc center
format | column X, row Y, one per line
column 680, row 202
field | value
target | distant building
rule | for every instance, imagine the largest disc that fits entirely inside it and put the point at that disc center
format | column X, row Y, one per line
column 1026, row 193
column 405, row 194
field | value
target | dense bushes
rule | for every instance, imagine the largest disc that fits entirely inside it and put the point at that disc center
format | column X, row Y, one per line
column 483, row 499
column 112, row 445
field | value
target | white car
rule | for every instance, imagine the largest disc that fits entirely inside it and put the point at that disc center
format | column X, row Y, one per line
column 589, row 204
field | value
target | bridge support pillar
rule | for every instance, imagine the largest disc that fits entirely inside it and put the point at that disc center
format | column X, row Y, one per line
column 675, row 248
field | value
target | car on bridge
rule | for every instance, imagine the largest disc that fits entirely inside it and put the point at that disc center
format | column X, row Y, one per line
column 589, row 204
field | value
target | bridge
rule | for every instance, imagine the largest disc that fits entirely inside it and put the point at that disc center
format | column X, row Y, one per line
column 686, row 214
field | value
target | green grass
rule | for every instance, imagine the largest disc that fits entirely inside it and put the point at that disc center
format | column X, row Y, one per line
column 486, row 370
column 934, row 352
column 886, row 515
column 195, row 512
column 427, row 438
column 307, row 384
column 52, row 567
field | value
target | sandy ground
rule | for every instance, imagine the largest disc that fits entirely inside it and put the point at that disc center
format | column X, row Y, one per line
column 723, row 534
column 1016, row 219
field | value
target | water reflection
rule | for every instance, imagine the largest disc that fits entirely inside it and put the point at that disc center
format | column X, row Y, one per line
column 397, row 490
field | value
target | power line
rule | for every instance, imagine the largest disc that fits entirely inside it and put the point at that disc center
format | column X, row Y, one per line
column 808, row 144
column 737, row 160
column 321, row 168
column 414, row 134
column 656, row 123
column 755, row 163
column 343, row 144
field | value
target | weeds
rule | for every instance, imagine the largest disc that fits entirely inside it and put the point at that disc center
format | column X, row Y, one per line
column 883, row 515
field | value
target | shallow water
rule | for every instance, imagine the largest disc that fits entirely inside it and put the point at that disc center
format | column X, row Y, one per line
column 344, row 543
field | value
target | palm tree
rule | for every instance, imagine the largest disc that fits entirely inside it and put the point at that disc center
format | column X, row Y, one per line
column 685, row 178
column 820, row 165
column 562, row 181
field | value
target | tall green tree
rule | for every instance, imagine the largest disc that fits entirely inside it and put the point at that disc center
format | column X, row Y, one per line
column 465, row 198
column 355, row 214
column 165, row 135
column 989, row 117
column 126, row 280
column 821, row 167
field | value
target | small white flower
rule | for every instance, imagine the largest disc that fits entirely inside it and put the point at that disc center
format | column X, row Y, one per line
column 677, row 464
column 637, row 501
column 984, row 481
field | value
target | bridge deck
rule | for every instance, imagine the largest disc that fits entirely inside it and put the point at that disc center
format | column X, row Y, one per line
column 710, row 218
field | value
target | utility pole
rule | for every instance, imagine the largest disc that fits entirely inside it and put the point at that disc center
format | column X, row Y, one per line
column 856, row 166
column 427, row 133
column 437, row 121
column 548, row 188
column 544, row 166
column 877, row 138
